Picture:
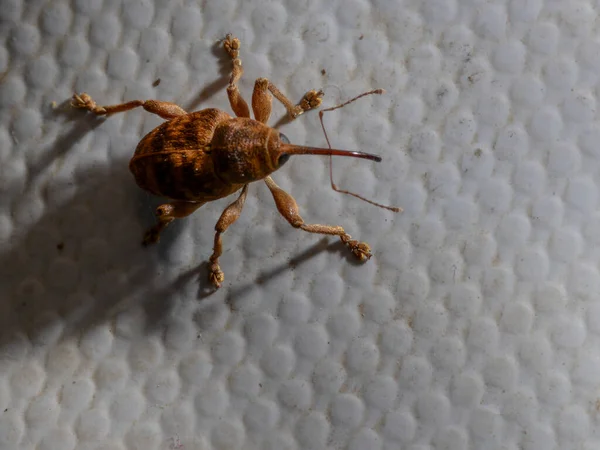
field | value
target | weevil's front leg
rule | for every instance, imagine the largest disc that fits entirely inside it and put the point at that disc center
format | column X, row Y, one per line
column 229, row 215
column 288, row 208
column 166, row 214
column 166, row 110
column 261, row 100
column 232, row 45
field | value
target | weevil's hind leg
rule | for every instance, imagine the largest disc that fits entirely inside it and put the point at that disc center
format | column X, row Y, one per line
column 289, row 210
column 232, row 45
column 229, row 215
column 166, row 110
column 167, row 213
column 261, row 100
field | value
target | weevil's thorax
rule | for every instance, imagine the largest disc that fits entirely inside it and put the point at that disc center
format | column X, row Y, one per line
column 244, row 150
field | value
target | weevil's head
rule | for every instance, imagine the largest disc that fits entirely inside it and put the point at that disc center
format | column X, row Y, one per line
column 245, row 150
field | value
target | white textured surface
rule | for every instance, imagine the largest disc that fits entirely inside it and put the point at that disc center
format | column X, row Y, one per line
column 475, row 326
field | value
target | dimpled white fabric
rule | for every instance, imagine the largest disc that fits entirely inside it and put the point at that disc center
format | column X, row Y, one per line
column 476, row 324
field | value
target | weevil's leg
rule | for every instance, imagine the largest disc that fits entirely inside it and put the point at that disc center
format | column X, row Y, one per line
column 167, row 213
column 261, row 100
column 166, row 110
column 229, row 215
column 311, row 100
column 289, row 210
column 232, row 45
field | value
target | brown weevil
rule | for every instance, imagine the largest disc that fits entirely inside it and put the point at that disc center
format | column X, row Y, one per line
column 195, row 158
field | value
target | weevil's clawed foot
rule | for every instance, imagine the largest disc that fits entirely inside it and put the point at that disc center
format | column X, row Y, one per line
column 361, row 250
column 216, row 275
column 84, row 101
column 311, row 100
column 152, row 236
column 232, row 45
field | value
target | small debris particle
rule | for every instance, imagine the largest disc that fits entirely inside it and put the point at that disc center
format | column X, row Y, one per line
column 156, row 82
column 323, row 72
column 60, row 246
column 361, row 37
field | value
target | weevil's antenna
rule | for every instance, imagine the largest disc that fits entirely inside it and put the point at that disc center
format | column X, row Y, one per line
column 333, row 185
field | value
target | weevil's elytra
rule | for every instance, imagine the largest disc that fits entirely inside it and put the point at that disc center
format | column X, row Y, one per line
column 195, row 158
column 174, row 160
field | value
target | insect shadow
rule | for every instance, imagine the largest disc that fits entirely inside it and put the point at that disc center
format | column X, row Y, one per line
column 218, row 85
column 238, row 292
column 81, row 260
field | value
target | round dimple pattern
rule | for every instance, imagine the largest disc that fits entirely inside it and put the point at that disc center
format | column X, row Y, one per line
column 41, row 412
column 227, row 435
column 24, row 41
column 212, row 401
column 425, row 145
column 261, row 417
column 312, row 431
column 346, row 411
column 245, row 381
column 138, row 14
column 26, row 125
column 127, row 407
column 467, row 390
column 153, row 45
column 59, row 438
column 185, row 22
column 295, row 395
column 111, row 375
column 294, row 309
column 27, row 381
column 11, row 430
column 362, row 356
column 56, row 19
column 365, row 439
column 162, row 387
column 473, row 325
column 96, row 343
column 41, row 73
column 228, row 349
column 344, row 325
column 511, row 144
column 278, row 362
column 93, row 425
column 509, row 57
column 560, row 74
column 328, row 377
column 104, row 31
column 381, row 393
column 579, row 107
column 484, row 422
column 122, row 64
column 528, row 91
column 520, row 406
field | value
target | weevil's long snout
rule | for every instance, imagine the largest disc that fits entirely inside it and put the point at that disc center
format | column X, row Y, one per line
column 291, row 149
